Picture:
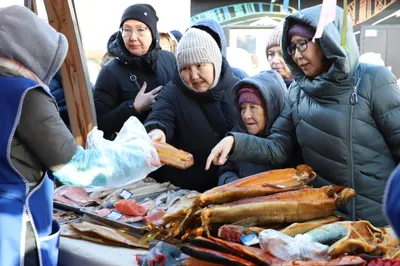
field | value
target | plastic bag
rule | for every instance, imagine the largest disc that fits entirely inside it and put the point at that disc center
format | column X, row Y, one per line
column 129, row 158
column 288, row 248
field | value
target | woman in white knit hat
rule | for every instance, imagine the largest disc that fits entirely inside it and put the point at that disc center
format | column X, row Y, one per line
column 195, row 110
column 274, row 55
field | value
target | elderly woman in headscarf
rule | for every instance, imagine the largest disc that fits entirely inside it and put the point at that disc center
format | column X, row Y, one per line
column 128, row 85
column 195, row 110
column 259, row 100
column 344, row 114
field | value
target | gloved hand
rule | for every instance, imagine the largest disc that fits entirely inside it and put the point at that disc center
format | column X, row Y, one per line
column 162, row 254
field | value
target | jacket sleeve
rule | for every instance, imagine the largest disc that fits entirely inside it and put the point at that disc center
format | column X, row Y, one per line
column 111, row 113
column 227, row 173
column 162, row 116
column 277, row 147
column 386, row 109
column 44, row 132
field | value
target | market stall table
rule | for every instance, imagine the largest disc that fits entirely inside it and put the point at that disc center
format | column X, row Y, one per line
column 82, row 252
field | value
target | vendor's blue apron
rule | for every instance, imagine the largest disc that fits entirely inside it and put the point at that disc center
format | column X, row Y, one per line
column 17, row 204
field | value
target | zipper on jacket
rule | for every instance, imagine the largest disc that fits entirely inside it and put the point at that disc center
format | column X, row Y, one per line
column 353, row 101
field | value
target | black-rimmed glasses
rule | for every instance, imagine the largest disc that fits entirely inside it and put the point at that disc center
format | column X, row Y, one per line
column 301, row 46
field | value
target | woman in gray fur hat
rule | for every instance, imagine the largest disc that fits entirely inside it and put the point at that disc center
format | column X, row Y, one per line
column 195, row 110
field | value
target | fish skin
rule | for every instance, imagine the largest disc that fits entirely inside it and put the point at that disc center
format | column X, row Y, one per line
column 329, row 233
column 301, row 228
column 214, row 256
column 108, row 233
column 172, row 156
column 286, row 207
column 266, row 183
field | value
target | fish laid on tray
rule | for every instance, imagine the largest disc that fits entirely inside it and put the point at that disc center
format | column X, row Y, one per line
column 363, row 237
column 74, row 196
column 286, row 207
column 219, row 251
column 103, row 232
column 107, row 191
column 301, row 228
column 171, row 156
column 143, row 189
column 261, row 184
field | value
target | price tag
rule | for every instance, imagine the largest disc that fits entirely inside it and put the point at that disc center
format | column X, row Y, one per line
column 250, row 239
column 115, row 215
column 125, row 194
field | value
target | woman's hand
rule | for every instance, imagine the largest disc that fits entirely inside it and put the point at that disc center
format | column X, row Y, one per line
column 220, row 152
column 144, row 101
column 157, row 135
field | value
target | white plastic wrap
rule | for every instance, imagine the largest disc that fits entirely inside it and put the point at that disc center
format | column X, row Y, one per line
column 288, row 248
column 129, row 158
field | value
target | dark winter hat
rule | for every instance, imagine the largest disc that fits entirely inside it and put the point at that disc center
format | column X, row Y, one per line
column 301, row 30
column 144, row 13
column 251, row 95
column 177, row 34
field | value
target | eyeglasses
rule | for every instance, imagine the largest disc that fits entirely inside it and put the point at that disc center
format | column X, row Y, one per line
column 301, row 46
column 127, row 33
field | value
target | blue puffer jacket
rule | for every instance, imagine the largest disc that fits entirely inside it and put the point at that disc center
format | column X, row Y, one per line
column 346, row 121
column 391, row 200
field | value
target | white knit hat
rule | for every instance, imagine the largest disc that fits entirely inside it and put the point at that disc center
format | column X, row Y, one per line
column 197, row 46
column 274, row 39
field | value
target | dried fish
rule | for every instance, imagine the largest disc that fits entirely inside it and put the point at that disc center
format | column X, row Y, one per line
column 301, row 228
column 287, row 207
column 363, row 237
column 108, row 233
column 171, row 156
column 214, row 256
column 261, row 184
column 105, row 192
column 138, row 184
column 329, row 233
column 146, row 189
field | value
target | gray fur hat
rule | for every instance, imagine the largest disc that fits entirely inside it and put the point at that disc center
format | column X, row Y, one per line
column 197, row 46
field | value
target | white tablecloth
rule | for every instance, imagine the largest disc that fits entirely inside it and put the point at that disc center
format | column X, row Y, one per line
column 81, row 252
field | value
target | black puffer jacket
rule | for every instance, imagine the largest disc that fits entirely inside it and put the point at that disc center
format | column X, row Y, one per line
column 194, row 122
column 273, row 90
column 347, row 121
column 120, row 80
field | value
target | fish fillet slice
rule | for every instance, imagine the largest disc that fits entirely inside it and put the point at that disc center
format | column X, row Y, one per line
column 171, row 156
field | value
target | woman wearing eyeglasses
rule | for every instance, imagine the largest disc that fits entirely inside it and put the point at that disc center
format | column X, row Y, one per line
column 128, row 85
column 343, row 114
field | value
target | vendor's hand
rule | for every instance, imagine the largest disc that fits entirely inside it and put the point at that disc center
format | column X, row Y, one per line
column 157, row 135
column 220, row 152
column 144, row 101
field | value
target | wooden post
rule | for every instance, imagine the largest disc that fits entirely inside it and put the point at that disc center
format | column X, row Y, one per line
column 31, row 4
column 75, row 78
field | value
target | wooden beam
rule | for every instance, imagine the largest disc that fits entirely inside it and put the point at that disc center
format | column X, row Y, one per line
column 31, row 4
column 75, row 78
